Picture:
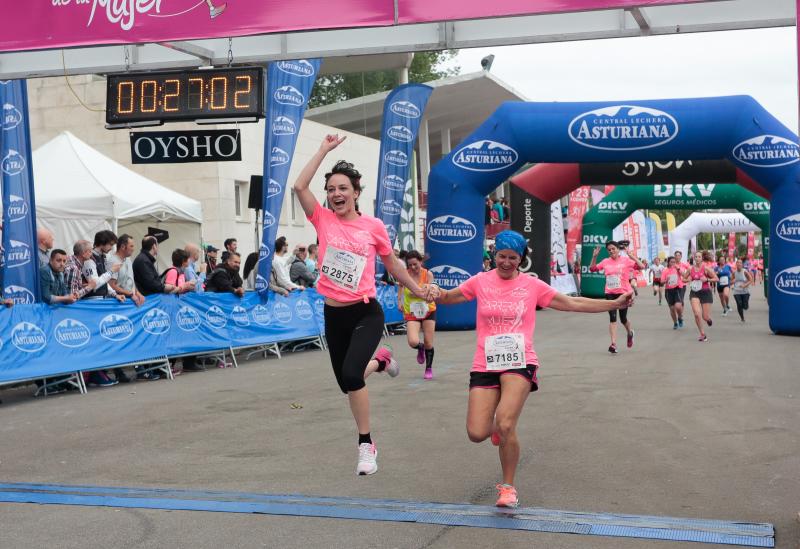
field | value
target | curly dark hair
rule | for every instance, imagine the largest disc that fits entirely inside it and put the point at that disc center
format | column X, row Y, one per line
column 348, row 170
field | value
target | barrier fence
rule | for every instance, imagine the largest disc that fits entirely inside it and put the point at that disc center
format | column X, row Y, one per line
column 42, row 340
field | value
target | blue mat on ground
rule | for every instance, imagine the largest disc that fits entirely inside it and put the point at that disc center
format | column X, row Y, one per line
column 530, row 519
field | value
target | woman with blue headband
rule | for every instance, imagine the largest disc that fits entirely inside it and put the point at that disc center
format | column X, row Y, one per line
column 504, row 365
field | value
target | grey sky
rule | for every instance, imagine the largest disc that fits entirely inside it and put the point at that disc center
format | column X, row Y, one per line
column 761, row 63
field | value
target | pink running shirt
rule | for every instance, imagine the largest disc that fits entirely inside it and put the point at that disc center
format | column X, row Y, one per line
column 618, row 274
column 175, row 277
column 671, row 274
column 505, row 307
column 360, row 240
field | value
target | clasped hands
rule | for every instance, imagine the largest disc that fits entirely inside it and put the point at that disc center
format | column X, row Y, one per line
column 430, row 292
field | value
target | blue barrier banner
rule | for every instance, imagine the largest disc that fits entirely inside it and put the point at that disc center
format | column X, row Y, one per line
column 289, row 85
column 403, row 110
column 41, row 340
column 20, row 268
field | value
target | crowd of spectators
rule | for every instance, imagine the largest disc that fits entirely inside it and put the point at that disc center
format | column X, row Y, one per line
column 110, row 267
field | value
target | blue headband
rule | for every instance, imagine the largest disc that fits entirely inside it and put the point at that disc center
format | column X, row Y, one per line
column 511, row 240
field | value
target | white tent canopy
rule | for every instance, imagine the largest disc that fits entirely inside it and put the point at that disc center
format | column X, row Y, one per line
column 80, row 191
column 700, row 222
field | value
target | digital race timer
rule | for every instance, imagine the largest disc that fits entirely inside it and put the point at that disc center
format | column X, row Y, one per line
column 230, row 93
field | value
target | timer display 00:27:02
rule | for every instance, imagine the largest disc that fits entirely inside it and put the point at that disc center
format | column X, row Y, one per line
column 185, row 95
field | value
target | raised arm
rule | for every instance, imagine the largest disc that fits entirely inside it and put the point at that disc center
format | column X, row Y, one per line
column 307, row 199
column 593, row 264
column 563, row 302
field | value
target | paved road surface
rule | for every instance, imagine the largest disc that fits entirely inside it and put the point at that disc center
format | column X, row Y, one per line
column 672, row 427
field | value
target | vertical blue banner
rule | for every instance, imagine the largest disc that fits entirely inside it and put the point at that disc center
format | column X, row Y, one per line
column 289, row 85
column 402, row 115
column 652, row 239
column 20, row 274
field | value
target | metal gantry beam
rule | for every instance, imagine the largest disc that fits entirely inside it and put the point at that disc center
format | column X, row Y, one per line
column 355, row 50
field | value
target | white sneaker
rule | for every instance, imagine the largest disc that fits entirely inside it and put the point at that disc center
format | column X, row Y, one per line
column 367, row 459
column 384, row 354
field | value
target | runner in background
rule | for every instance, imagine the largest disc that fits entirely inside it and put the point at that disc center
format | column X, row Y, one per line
column 617, row 269
column 724, row 275
column 505, row 364
column 657, row 269
column 348, row 245
column 682, row 267
column 418, row 313
column 670, row 279
column 742, row 280
column 760, row 267
column 708, row 262
column 699, row 277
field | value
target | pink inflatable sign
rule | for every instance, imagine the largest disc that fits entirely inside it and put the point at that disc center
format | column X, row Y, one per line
column 43, row 24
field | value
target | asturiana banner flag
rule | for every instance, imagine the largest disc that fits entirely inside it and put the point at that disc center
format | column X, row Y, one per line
column 21, row 265
column 402, row 115
column 289, row 85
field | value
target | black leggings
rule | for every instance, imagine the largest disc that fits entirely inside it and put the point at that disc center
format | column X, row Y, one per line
column 623, row 313
column 742, row 303
column 353, row 334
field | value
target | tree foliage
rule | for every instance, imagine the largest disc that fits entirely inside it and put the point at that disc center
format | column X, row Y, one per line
column 426, row 66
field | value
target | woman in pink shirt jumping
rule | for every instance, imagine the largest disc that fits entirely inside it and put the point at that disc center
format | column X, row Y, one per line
column 504, row 365
column 348, row 245
column 618, row 270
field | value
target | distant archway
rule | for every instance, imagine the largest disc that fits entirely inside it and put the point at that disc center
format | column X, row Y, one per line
column 600, row 221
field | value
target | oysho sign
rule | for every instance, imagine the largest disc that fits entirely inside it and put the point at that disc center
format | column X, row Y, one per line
column 767, row 151
column 623, row 128
column 186, row 146
column 485, row 156
column 451, row 229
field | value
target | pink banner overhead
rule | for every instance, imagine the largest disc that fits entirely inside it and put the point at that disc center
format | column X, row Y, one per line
column 43, row 24
column 417, row 11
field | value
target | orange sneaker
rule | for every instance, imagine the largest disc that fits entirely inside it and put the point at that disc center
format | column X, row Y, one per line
column 507, row 496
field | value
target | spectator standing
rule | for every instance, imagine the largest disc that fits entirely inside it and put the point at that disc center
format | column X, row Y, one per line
column 230, row 245
column 499, row 209
column 145, row 274
column 298, row 270
column 121, row 281
column 194, row 272
column 176, row 276
column 487, row 211
column 52, row 287
column 311, row 260
column 73, row 271
column 225, row 278
column 506, row 209
column 44, row 240
column 95, row 269
column 280, row 268
column 211, row 258
column 250, row 271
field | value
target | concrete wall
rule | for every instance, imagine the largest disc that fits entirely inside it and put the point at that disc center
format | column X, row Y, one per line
column 54, row 108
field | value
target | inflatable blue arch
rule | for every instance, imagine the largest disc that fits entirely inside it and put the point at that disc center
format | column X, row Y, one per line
column 737, row 128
